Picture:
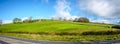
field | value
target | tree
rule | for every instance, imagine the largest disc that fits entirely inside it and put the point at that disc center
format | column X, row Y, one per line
column 64, row 19
column 16, row 20
column 28, row 20
column 82, row 19
column 60, row 18
column 0, row 22
column 115, row 26
column 75, row 20
column 52, row 18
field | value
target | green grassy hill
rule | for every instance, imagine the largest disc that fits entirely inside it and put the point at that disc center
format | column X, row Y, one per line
column 60, row 26
column 61, row 31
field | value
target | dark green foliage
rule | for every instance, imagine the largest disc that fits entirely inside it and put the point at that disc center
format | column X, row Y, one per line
column 68, row 33
column 27, row 21
column 101, row 32
column 43, row 19
column 116, row 26
column 47, row 20
column 82, row 19
column 30, row 21
column 36, row 20
column 42, row 33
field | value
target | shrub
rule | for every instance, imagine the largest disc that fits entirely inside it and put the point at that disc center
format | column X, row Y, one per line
column 27, row 21
column 110, row 32
column 116, row 26
column 82, row 19
column 101, row 32
column 36, row 20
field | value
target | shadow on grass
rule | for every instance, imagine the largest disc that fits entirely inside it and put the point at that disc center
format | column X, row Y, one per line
column 109, row 32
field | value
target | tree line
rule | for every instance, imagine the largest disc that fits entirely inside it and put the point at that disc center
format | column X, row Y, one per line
column 30, row 20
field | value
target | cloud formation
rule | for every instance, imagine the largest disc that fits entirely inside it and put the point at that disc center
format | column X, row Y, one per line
column 102, row 21
column 104, row 8
column 6, row 21
column 63, row 9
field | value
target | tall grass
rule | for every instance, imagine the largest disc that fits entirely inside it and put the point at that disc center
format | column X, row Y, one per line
column 65, row 37
column 109, row 32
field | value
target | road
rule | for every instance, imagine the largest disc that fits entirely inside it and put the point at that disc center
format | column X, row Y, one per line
column 13, row 40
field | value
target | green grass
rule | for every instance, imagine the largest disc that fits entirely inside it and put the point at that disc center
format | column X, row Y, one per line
column 58, row 26
column 61, row 30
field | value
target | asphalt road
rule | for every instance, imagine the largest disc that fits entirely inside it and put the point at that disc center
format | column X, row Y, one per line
column 13, row 40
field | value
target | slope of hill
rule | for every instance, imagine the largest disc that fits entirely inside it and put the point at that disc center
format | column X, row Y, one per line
column 53, row 26
column 61, row 31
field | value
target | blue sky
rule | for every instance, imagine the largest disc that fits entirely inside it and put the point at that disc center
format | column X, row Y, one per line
column 25, row 8
column 97, row 11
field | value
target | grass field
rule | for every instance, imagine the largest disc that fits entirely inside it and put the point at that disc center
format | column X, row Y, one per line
column 61, row 30
column 53, row 26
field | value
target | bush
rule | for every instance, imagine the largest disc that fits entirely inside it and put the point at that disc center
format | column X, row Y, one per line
column 101, row 32
column 16, row 20
column 116, row 26
column 82, row 19
column 27, row 21
column 110, row 32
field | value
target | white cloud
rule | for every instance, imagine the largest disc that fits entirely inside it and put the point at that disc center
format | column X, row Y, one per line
column 62, row 9
column 101, row 8
column 6, row 21
column 101, row 21
column 24, row 18
column 104, row 8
